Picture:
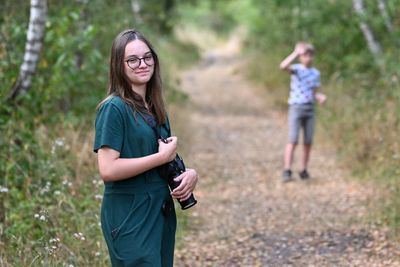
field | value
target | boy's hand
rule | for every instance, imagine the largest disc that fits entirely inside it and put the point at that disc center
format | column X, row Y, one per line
column 321, row 98
column 300, row 48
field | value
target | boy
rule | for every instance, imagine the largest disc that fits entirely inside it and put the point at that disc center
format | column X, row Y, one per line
column 305, row 80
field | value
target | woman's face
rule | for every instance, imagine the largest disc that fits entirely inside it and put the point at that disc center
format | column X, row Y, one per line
column 138, row 62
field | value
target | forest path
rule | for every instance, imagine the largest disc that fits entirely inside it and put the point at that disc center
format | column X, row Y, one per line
column 246, row 216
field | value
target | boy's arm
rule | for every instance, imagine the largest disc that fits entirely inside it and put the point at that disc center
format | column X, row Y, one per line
column 320, row 97
column 298, row 50
column 285, row 64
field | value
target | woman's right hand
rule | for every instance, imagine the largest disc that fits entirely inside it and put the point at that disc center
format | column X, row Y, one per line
column 168, row 150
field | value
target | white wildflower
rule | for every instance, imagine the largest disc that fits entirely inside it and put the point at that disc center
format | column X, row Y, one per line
column 98, row 196
column 97, row 254
column 67, row 183
column 43, row 215
column 79, row 236
column 59, row 142
column 46, row 188
column 57, row 193
column 3, row 189
column 54, row 240
column 97, row 182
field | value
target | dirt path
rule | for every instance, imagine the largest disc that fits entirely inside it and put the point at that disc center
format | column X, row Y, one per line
column 245, row 215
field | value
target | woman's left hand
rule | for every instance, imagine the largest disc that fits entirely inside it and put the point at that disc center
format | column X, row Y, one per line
column 188, row 181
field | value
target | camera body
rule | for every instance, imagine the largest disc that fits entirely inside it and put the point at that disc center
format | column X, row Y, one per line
column 170, row 171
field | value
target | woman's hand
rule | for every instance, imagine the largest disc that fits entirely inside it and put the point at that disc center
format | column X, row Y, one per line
column 168, row 150
column 188, row 181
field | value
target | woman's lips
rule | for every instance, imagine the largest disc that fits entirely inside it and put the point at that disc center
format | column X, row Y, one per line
column 142, row 72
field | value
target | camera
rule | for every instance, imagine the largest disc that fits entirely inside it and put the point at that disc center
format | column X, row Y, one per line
column 170, row 171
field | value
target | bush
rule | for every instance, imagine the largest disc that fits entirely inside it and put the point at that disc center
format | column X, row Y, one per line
column 50, row 193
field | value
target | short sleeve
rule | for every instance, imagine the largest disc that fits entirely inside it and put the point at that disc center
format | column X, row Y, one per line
column 294, row 68
column 109, row 128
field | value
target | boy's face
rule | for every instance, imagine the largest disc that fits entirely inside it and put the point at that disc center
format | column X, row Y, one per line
column 307, row 58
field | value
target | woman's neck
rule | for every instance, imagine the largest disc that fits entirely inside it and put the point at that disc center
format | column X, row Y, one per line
column 140, row 90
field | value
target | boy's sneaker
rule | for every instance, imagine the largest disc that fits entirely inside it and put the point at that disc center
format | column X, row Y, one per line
column 304, row 175
column 286, row 176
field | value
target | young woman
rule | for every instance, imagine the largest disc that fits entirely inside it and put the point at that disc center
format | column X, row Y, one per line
column 137, row 215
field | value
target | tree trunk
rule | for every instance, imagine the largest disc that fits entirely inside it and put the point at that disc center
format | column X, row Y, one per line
column 136, row 9
column 385, row 15
column 373, row 45
column 36, row 31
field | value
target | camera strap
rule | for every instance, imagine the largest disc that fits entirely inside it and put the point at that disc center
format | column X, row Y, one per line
column 151, row 121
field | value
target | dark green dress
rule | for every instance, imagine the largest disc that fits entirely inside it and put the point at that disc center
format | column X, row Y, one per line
column 137, row 230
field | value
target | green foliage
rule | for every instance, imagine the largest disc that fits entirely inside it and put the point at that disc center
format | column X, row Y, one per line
column 362, row 113
column 209, row 15
column 50, row 193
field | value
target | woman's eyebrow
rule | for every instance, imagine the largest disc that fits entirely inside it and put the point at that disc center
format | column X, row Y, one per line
column 130, row 56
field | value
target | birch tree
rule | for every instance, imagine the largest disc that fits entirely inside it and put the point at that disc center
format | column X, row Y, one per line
column 136, row 9
column 36, row 31
column 385, row 15
column 373, row 45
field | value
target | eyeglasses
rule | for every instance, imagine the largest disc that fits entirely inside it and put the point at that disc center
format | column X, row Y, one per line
column 135, row 62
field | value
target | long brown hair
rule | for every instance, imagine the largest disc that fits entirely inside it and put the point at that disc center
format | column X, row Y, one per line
column 119, row 84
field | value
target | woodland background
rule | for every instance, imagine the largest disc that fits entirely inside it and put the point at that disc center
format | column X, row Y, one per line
column 50, row 192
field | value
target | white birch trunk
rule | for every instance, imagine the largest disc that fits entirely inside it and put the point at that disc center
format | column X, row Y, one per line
column 385, row 15
column 136, row 9
column 36, row 31
column 373, row 45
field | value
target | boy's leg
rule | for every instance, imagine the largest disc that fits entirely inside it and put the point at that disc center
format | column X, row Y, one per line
column 294, row 127
column 289, row 153
column 309, row 125
column 306, row 156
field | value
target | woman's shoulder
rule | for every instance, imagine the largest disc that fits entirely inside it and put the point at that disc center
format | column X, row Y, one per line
column 112, row 101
